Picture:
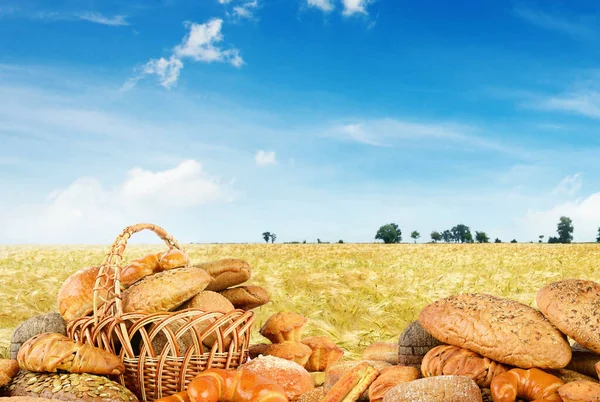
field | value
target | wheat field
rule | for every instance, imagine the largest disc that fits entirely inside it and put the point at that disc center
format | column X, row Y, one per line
column 356, row 293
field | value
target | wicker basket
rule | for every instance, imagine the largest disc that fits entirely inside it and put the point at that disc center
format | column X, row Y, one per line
column 149, row 373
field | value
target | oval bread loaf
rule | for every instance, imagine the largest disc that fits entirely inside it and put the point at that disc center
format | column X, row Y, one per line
column 445, row 388
column 500, row 329
column 580, row 391
column 573, row 306
column 226, row 273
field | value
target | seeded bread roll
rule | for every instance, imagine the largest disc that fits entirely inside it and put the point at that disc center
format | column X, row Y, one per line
column 314, row 395
column 573, row 306
column 246, row 297
column 446, row 388
column 500, row 329
column 165, row 290
column 68, row 387
column 226, row 273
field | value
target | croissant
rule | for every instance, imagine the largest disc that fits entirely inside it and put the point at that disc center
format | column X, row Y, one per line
column 239, row 385
column 178, row 397
column 532, row 384
column 454, row 360
column 49, row 352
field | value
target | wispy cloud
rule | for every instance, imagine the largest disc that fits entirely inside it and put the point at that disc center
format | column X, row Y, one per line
column 98, row 18
column 245, row 10
column 199, row 44
column 352, row 7
column 264, row 158
column 585, row 103
column 582, row 27
column 569, row 185
column 324, row 5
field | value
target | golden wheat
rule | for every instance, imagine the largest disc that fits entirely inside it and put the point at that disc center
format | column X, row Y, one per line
column 356, row 293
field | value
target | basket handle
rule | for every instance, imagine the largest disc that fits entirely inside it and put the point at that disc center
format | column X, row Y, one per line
column 108, row 276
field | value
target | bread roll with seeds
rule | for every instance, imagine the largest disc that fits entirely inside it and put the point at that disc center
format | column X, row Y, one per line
column 573, row 306
column 226, row 272
column 68, row 387
column 500, row 329
column 314, row 395
column 164, row 291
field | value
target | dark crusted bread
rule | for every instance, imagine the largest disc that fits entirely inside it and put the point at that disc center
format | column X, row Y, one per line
column 500, row 329
column 413, row 344
column 68, row 387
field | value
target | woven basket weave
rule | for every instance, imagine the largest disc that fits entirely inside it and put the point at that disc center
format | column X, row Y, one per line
column 149, row 373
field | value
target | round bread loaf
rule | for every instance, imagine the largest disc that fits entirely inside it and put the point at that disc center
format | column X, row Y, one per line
column 580, row 391
column 325, row 352
column 338, row 370
column 68, row 387
column 413, row 344
column 165, row 290
column 246, row 297
column 226, row 273
column 500, row 329
column 444, row 388
column 50, row 322
column 76, row 295
column 294, row 378
column 573, row 306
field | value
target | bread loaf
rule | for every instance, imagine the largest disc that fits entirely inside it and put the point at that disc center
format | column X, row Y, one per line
column 566, row 375
column 413, row 344
column 385, row 351
column 246, row 297
column 8, row 369
column 389, row 378
column 452, row 360
column 51, row 322
column 68, row 387
column 573, row 306
column 447, row 388
column 500, row 329
column 583, row 361
column 580, row 391
column 226, row 273
column 352, row 384
column 165, row 290
column 76, row 295
column 292, row 377
column 138, row 269
column 335, row 372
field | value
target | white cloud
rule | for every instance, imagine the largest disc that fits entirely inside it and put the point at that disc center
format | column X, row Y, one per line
column 264, row 158
column 582, row 28
column 585, row 103
column 325, row 5
column 99, row 18
column 246, row 10
column 224, row 1
column 86, row 205
column 569, row 185
column 199, row 44
column 584, row 213
column 352, row 7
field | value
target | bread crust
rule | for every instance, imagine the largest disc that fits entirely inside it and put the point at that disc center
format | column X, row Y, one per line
column 336, row 371
column 325, row 352
column 580, row 391
column 389, row 378
column 386, row 351
column 226, row 272
column 290, row 350
column 246, row 297
column 571, row 305
column 501, row 329
column 76, row 295
column 294, row 378
column 446, row 388
column 284, row 326
column 8, row 369
column 165, row 290
column 352, row 384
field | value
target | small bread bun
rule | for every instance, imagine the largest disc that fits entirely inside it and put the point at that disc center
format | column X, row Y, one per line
column 290, row 350
column 173, row 258
column 325, row 352
column 580, row 391
column 294, row 378
column 284, row 326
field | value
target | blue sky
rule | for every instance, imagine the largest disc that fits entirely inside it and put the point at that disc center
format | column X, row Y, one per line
column 221, row 119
